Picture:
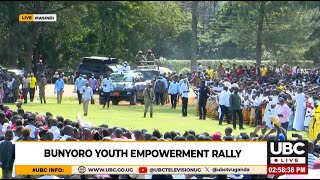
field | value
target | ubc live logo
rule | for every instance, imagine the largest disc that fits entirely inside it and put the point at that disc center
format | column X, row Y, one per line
column 287, row 152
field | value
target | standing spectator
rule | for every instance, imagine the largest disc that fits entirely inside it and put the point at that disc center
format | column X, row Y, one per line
column 235, row 106
column 33, row 86
column 224, row 105
column 7, row 155
column 107, row 88
column 234, row 70
column 25, row 87
column 42, row 88
column 159, row 88
column 200, row 67
column 264, row 71
column 166, row 84
column 87, row 93
column 93, row 83
column 284, row 114
column 58, row 88
column 173, row 91
column 221, row 70
column 40, row 69
column 203, row 96
column 184, row 91
column 80, row 82
column 298, row 122
column 16, row 85
column 210, row 72
column 148, row 94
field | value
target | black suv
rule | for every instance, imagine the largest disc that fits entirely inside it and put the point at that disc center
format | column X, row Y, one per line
column 127, row 86
column 97, row 66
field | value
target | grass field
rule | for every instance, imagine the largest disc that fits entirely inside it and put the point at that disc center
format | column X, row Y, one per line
column 164, row 118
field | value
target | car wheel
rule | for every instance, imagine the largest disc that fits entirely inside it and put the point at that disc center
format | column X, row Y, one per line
column 133, row 99
column 115, row 102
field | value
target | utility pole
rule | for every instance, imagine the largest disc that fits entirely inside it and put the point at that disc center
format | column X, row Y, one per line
column 194, row 42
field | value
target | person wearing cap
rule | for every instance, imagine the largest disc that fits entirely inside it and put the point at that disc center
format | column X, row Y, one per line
column 93, row 83
column 87, row 94
column 150, row 56
column 203, row 97
column 107, row 88
column 148, row 95
column 140, row 58
column 298, row 123
column 42, row 86
column 184, row 92
column 125, row 67
column 59, row 89
column 80, row 82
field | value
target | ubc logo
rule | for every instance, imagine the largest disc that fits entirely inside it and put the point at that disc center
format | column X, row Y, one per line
column 287, row 148
column 287, row 151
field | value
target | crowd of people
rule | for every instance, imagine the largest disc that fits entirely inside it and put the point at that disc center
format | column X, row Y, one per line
column 22, row 125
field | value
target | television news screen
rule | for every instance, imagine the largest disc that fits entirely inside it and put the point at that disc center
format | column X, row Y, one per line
column 234, row 92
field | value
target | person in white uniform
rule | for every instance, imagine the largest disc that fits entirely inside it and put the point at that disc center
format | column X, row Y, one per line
column 298, row 122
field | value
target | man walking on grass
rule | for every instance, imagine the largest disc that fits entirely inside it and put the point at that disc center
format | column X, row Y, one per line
column 80, row 82
column 184, row 91
column 58, row 88
column 148, row 94
column 87, row 94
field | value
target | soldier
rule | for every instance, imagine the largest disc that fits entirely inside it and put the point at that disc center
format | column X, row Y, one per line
column 16, row 84
column 140, row 58
column 148, row 94
column 42, row 87
column 150, row 56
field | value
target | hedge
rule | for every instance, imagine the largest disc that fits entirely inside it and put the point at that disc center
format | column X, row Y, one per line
column 177, row 65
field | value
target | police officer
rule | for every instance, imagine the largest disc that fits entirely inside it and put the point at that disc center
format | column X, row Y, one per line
column 107, row 88
column 148, row 94
column 203, row 96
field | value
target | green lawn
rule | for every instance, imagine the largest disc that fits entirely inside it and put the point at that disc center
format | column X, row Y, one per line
column 164, row 118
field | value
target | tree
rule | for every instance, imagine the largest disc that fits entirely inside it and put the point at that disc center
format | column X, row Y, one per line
column 259, row 31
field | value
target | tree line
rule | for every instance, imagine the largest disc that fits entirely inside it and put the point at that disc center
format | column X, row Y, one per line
column 282, row 31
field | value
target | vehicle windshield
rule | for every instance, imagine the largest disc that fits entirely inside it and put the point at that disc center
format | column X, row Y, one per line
column 148, row 75
column 122, row 77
